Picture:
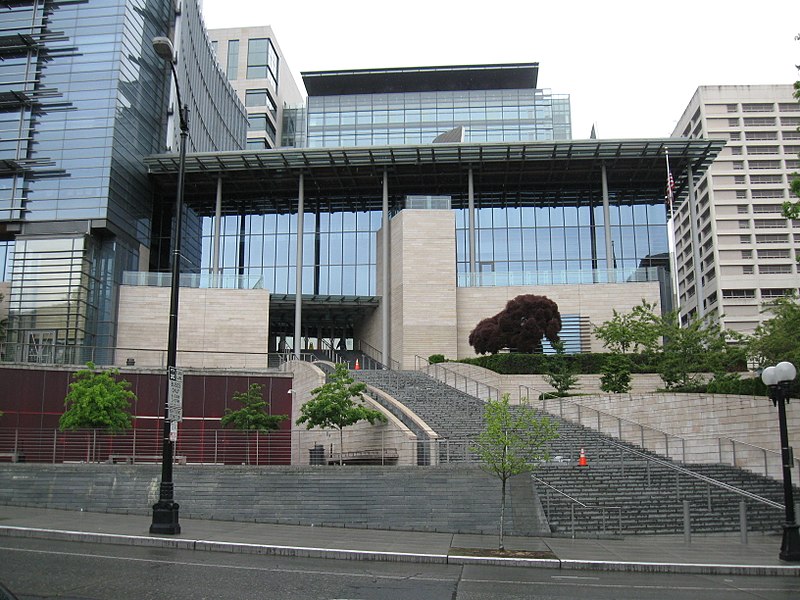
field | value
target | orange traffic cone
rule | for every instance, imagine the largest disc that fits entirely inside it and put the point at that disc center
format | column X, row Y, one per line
column 358, row 366
column 582, row 462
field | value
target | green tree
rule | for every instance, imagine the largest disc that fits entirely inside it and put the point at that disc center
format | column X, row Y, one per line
column 97, row 400
column 616, row 374
column 254, row 414
column 695, row 347
column 791, row 210
column 776, row 339
column 332, row 406
column 514, row 441
column 560, row 372
column 636, row 331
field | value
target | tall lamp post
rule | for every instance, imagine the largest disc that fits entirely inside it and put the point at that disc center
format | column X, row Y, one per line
column 165, row 511
column 778, row 379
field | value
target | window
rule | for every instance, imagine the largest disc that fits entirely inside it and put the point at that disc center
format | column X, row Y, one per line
column 747, row 269
column 742, row 209
column 762, row 150
column 257, row 144
column 788, row 107
column 262, row 60
column 736, row 150
column 739, row 179
column 770, row 223
column 767, row 193
column 232, row 68
column 732, row 107
column 791, row 135
column 757, row 107
column 759, row 179
column 772, row 238
column 761, row 135
column 790, row 121
column 775, row 292
column 747, row 254
column 759, row 121
column 773, row 253
column 764, row 209
column 733, row 122
column 744, row 224
column 738, row 293
column 741, row 194
column 765, row 164
column 774, row 269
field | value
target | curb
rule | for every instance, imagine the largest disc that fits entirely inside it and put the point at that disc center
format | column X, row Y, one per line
column 410, row 557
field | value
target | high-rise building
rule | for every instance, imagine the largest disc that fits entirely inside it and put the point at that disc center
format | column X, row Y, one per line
column 256, row 68
column 83, row 99
column 734, row 249
column 482, row 103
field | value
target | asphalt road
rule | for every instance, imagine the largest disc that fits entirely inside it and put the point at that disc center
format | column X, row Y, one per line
column 35, row 569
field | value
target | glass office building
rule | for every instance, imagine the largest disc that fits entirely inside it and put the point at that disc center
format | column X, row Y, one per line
column 83, row 99
column 549, row 241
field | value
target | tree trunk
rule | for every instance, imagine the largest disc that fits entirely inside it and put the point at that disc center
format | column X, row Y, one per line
column 341, row 447
column 502, row 513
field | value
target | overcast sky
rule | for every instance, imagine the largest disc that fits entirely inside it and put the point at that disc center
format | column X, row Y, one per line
column 630, row 67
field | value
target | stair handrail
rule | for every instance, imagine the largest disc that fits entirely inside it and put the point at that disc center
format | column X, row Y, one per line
column 492, row 392
column 620, row 420
column 692, row 474
column 376, row 356
column 765, row 451
column 331, row 352
column 575, row 501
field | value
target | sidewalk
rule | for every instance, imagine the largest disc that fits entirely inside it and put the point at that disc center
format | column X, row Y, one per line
column 665, row 554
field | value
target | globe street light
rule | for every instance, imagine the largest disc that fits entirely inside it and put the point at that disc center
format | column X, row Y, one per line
column 165, row 511
column 778, row 379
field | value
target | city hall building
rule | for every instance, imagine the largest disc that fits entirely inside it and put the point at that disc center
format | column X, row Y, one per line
column 399, row 208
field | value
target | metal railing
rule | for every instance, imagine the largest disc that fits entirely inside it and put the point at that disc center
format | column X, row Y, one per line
column 574, row 504
column 650, row 438
column 586, row 276
column 751, row 457
column 376, row 357
column 455, row 380
column 193, row 280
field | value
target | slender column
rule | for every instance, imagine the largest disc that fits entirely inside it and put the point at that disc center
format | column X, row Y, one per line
column 698, row 281
column 298, row 287
column 471, row 210
column 216, row 279
column 385, row 352
column 612, row 276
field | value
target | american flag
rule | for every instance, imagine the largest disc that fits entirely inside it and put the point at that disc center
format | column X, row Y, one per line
column 670, row 187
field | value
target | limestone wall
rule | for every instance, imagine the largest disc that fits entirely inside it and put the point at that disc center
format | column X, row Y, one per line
column 386, row 438
column 217, row 328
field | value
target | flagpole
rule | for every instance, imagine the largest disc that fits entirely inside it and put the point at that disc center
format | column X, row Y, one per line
column 673, row 262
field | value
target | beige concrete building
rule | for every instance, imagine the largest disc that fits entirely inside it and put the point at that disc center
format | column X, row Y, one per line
column 258, row 71
column 734, row 249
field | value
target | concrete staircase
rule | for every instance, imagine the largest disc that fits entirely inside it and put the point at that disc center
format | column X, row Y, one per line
column 625, row 488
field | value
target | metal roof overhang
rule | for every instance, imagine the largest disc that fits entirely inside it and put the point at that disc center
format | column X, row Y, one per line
column 516, row 173
column 422, row 79
column 322, row 311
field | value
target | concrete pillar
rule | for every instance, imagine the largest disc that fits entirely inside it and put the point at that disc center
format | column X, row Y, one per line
column 298, row 288
column 612, row 276
column 216, row 279
column 698, row 274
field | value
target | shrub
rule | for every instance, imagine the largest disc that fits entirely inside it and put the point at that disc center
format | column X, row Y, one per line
column 436, row 358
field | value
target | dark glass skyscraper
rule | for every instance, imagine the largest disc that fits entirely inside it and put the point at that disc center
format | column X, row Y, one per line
column 83, row 98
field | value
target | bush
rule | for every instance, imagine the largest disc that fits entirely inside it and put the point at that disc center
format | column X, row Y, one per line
column 436, row 358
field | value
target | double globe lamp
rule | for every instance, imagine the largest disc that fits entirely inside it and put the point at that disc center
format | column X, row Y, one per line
column 778, row 379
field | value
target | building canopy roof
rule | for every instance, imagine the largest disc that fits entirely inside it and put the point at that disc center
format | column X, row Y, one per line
column 508, row 173
column 422, row 79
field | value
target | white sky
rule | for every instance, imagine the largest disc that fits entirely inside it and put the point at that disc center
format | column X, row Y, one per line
column 630, row 67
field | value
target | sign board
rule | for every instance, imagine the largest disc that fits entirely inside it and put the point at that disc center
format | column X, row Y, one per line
column 175, row 395
column 173, row 431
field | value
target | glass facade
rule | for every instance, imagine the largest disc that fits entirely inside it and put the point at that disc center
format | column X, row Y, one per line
column 561, row 240
column 419, row 117
column 338, row 251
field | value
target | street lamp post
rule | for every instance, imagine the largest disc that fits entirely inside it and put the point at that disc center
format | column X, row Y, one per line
column 165, row 511
column 778, row 379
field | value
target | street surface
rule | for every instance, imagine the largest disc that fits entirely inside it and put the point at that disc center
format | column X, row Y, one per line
column 36, row 569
